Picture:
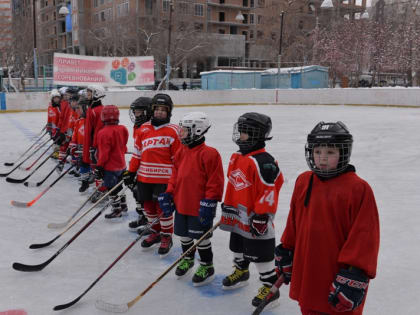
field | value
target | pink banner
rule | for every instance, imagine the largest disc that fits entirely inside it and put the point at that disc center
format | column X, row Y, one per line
column 106, row 71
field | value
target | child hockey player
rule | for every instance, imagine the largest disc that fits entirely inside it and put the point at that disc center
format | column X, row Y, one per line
column 330, row 245
column 93, row 124
column 111, row 148
column 140, row 112
column 53, row 113
column 250, row 204
column 76, row 144
column 195, row 187
column 155, row 146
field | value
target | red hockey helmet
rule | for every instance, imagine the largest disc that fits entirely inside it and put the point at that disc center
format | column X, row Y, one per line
column 110, row 114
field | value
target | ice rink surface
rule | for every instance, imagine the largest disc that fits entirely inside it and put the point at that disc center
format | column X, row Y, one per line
column 386, row 153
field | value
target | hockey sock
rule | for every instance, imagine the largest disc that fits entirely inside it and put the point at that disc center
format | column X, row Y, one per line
column 267, row 272
column 205, row 252
column 166, row 223
column 239, row 261
column 186, row 243
column 123, row 200
column 151, row 215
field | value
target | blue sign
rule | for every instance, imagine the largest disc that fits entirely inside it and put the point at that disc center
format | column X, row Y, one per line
column 69, row 25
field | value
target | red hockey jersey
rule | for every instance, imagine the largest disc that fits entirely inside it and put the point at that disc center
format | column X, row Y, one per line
column 154, row 150
column 197, row 174
column 112, row 146
column 253, row 188
column 93, row 124
column 338, row 228
column 65, row 116
column 78, row 132
column 53, row 119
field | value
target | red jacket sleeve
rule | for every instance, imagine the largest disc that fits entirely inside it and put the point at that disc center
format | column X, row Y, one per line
column 362, row 244
column 214, row 170
column 172, row 181
column 134, row 164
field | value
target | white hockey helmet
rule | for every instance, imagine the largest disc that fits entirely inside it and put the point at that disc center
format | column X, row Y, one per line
column 54, row 93
column 98, row 91
column 197, row 124
column 63, row 90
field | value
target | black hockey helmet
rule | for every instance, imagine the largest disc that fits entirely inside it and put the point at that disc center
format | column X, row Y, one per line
column 331, row 134
column 257, row 126
column 143, row 104
column 162, row 99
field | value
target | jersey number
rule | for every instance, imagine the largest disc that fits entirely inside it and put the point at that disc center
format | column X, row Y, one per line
column 268, row 197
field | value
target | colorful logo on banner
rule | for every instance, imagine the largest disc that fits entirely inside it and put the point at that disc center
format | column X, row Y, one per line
column 123, row 70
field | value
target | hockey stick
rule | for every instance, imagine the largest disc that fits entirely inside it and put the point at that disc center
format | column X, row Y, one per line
column 27, row 158
column 21, row 204
column 18, row 181
column 35, row 246
column 276, row 286
column 64, row 224
column 122, row 308
column 64, row 306
column 30, row 147
column 39, row 157
column 29, row 184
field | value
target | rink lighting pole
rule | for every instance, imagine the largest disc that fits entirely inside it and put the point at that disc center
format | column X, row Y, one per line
column 35, row 57
column 280, row 43
column 168, row 56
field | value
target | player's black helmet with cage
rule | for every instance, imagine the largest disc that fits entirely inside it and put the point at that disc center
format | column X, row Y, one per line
column 330, row 134
column 144, row 105
column 257, row 126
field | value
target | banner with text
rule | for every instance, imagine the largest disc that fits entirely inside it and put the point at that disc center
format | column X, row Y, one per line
column 106, row 71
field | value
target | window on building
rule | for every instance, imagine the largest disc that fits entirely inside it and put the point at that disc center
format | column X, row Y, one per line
column 260, row 34
column 245, row 21
column 199, row 9
column 102, row 15
column 252, row 18
column 183, row 7
column 165, row 5
column 149, row 7
column 251, row 34
column 222, row 1
column 261, row 3
column 221, row 31
column 244, row 3
column 259, row 19
column 123, row 9
column 95, row 3
column 251, row 3
column 221, row 16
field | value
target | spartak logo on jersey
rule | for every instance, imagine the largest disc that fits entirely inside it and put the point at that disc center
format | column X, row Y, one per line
column 157, row 142
column 238, row 180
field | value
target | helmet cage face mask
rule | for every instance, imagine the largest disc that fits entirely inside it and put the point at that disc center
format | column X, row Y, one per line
column 255, row 134
column 141, row 119
column 344, row 159
column 195, row 128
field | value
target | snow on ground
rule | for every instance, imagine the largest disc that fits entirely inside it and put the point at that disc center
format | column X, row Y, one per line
column 386, row 153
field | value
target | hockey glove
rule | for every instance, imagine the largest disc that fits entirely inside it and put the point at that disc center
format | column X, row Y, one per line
column 166, row 203
column 207, row 211
column 60, row 137
column 348, row 290
column 258, row 224
column 99, row 172
column 129, row 179
column 284, row 262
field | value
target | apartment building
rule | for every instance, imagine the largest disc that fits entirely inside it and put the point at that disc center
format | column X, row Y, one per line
column 5, row 27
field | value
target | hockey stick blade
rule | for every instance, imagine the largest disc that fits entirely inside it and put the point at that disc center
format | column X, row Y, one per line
column 8, row 164
column 64, row 306
column 61, row 225
column 112, row 308
column 276, row 286
column 31, row 268
column 15, row 180
column 31, row 184
column 20, row 204
column 41, row 245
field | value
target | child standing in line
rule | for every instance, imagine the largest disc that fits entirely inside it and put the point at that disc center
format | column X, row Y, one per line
column 195, row 187
column 250, row 205
column 112, row 146
column 330, row 245
column 155, row 146
column 140, row 112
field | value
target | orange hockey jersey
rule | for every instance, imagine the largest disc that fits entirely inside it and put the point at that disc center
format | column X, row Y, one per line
column 338, row 228
column 197, row 175
column 253, row 188
column 154, row 150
